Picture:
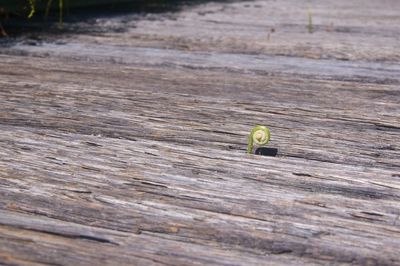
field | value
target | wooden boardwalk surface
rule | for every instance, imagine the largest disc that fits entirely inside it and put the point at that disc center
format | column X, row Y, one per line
column 122, row 140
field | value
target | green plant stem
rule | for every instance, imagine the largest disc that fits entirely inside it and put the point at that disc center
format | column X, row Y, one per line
column 310, row 23
column 250, row 145
column 60, row 7
column 48, row 8
column 32, row 5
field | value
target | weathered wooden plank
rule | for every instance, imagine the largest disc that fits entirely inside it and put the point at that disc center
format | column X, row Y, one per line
column 116, row 150
column 255, row 64
column 352, row 30
column 171, row 202
column 30, row 239
column 374, row 129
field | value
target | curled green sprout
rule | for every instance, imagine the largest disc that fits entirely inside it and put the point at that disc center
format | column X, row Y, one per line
column 259, row 135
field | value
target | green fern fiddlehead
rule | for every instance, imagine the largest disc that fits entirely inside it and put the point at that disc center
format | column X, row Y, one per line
column 259, row 135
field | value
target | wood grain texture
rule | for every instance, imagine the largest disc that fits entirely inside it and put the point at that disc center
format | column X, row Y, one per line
column 126, row 144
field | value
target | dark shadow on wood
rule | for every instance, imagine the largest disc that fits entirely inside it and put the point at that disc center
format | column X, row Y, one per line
column 272, row 152
column 80, row 20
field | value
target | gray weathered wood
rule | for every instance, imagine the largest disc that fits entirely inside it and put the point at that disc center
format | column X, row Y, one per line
column 128, row 147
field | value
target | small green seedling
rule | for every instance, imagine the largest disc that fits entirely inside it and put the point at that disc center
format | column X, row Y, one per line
column 310, row 23
column 32, row 4
column 259, row 135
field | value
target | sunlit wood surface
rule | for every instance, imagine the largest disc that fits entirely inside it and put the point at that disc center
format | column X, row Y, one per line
column 123, row 138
